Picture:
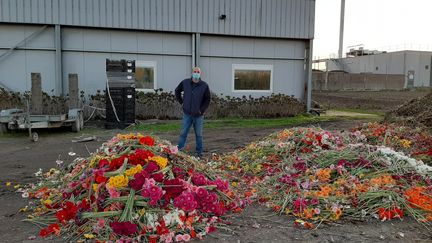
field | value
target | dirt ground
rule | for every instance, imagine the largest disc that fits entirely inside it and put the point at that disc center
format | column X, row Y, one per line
column 369, row 100
column 20, row 158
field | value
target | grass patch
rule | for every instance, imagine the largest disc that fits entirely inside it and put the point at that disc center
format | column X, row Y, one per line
column 362, row 111
column 170, row 126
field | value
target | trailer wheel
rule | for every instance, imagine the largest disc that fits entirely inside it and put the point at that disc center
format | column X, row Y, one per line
column 3, row 128
column 34, row 136
column 76, row 126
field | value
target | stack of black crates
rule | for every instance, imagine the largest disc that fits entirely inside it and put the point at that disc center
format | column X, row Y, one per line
column 120, row 93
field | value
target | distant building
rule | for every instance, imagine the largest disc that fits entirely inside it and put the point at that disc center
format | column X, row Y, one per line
column 244, row 47
column 415, row 66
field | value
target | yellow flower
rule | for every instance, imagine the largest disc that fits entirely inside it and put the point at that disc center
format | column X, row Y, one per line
column 161, row 161
column 47, row 202
column 141, row 212
column 24, row 209
column 118, row 181
column 405, row 143
column 134, row 170
column 89, row 236
column 234, row 184
column 17, row 186
column 95, row 187
column 8, row 183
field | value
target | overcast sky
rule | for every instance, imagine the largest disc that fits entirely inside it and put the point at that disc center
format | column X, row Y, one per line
column 381, row 24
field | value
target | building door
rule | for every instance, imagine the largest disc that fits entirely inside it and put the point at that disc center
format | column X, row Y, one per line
column 411, row 75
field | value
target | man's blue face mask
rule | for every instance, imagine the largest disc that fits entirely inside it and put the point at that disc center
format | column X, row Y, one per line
column 196, row 75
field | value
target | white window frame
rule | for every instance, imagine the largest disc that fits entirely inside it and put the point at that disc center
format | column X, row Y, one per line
column 151, row 64
column 254, row 67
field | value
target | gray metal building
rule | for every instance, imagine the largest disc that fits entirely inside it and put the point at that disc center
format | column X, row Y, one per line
column 414, row 65
column 244, row 47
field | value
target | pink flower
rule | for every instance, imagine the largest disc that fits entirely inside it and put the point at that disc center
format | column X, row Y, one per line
column 158, row 177
column 112, row 191
column 150, row 190
column 151, row 167
column 186, row 237
column 186, row 202
column 179, row 172
column 179, row 238
column 220, row 184
column 174, row 149
column 202, row 193
column 199, row 179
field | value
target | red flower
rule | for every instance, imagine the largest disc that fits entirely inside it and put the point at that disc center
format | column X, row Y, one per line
column 147, row 140
column 103, row 162
column 99, row 178
column 51, row 229
column 211, row 229
column 139, row 157
column 117, row 162
column 387, row 214
column 85, row 205
column 67, row 213
column 153, row 238
column 124, row 228
column 161, row 229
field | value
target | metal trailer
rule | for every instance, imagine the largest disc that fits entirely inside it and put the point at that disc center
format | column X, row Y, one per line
column 17, row 119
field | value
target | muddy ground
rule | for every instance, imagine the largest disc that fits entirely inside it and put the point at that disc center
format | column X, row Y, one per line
column 369, row 100
column 20, row 158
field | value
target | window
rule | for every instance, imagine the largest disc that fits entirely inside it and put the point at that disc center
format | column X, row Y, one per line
column 252, row 77
column 145, row 75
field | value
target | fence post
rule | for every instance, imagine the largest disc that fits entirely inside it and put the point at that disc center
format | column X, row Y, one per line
column 36, row 94
column 73, row 90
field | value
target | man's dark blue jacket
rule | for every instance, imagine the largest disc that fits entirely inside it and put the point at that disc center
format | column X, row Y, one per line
column 196, row 96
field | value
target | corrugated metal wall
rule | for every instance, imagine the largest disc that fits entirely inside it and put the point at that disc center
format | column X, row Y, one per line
column 390, row 63
column 265, row 18
column 219, row 54
column 84, row 53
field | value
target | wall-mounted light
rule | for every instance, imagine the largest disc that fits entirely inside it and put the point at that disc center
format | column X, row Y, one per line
column 222, row 17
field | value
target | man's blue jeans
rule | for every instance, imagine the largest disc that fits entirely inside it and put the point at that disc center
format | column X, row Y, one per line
column 197, row 123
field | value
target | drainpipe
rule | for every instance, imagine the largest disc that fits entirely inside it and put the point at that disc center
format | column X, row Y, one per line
column 309, row 76
column 193, row 50
column 58, row 61
column 197, row 49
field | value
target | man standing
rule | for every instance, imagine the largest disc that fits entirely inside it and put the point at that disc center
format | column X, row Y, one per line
column 195, row 101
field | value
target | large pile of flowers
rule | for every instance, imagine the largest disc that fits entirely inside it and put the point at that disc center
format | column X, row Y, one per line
column 317, row 176
column 134, row 187
column 415, row 142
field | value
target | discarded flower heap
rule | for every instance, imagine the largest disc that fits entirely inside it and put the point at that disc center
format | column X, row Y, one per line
column 133, row 188
column 415, row 142
column 318, row 176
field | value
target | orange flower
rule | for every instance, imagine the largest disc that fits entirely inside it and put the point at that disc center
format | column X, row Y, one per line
column 323, row 174
column 417, row 197
column 337, row 214
column 308, row 213
column 383, row 180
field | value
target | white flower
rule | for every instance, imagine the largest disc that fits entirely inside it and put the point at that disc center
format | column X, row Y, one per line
column 391, row 155
column 38, row 173
column 59, row 162
column 25, row 195
column 72, row 154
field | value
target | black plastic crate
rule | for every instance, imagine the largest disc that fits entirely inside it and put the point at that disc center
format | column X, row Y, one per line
column 124, row 102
